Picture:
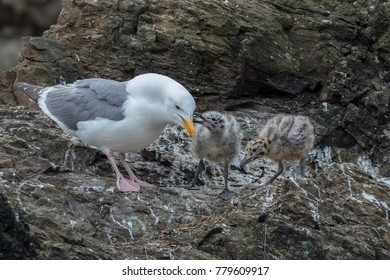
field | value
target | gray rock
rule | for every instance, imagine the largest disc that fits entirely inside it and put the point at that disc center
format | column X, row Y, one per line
column 23, row 18
column 305, row 53
column 70, row 201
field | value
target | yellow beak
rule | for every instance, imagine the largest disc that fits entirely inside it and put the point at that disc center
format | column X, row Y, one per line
column 189, row 125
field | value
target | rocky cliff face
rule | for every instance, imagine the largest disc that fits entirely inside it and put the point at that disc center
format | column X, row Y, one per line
column 23, row 18
column 325, row 59
column 67, row 193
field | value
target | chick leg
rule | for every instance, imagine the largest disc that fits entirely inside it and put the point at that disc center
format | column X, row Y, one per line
column 302, row 165
column 278, row 172
column 226, row 193
column 194, row 184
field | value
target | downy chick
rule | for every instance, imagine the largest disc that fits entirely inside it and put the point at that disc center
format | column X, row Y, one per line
column 218, row 139
column 283, row 138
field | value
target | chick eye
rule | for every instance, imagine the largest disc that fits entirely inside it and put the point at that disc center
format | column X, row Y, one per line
column 178, row 107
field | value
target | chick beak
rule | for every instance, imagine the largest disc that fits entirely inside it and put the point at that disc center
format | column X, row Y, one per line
column 198, row 119
column 244, row 162
column 189, row 125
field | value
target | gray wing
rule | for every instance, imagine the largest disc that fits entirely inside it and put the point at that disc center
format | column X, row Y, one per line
column 86, row 100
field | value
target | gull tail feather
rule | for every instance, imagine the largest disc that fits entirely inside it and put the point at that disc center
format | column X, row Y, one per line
column 29, row 90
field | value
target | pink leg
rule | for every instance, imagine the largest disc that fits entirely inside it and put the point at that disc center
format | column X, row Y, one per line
column 122, row 184
column 133, row 178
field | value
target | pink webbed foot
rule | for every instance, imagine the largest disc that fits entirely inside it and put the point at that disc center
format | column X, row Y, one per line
column 125, row 185
column 143, row 184
column 132, row 176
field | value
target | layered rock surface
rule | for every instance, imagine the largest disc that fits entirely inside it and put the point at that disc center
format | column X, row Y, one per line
column 67, row 193
column 23, row 18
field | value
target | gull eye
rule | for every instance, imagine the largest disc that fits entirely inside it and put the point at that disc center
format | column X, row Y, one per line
column 178, row 107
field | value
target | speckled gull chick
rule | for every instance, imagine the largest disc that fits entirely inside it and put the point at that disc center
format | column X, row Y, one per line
column 117, row 116
column 218, row 139
column 283, row 138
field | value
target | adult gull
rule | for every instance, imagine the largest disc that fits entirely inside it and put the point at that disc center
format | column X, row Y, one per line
column 117, row 116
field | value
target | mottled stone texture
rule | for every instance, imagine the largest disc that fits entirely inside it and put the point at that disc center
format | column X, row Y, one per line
column 23, row 18
column 326, row 59
column 67, row 194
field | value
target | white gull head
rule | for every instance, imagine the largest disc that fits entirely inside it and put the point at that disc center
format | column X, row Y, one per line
column 166, row 100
